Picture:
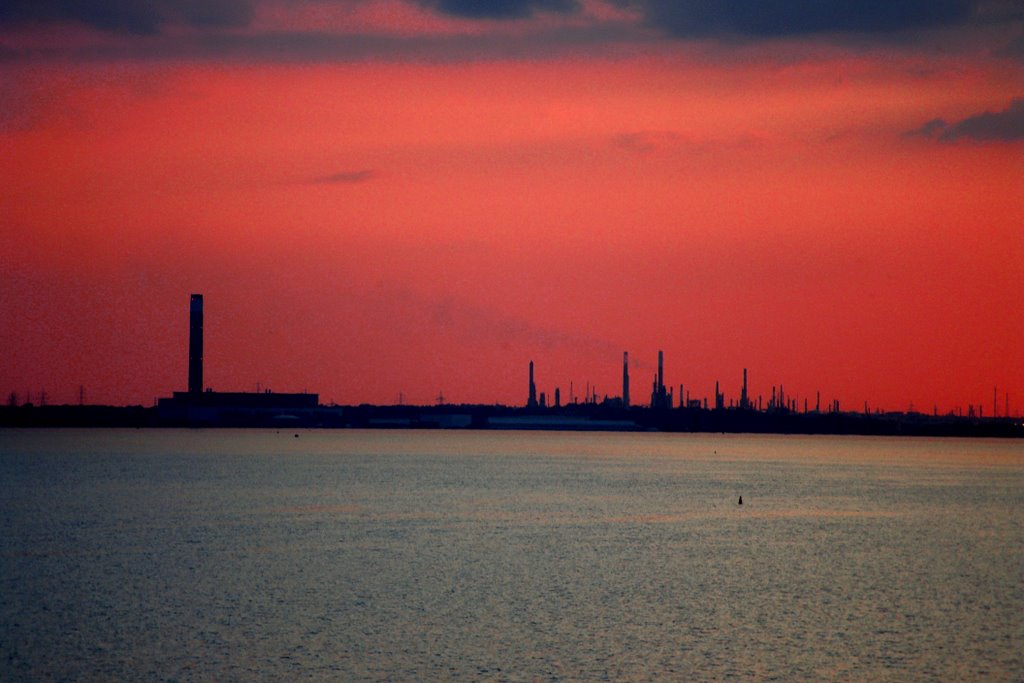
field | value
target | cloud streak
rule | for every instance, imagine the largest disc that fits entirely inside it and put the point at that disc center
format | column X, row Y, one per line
column 707, row 19
column 345, row 178
column 474, row 322
column 999, row 126
column 664, row 142
column 790, row 18
column 322, row 46
column 144, row 17
column 499, row 9
column 150, row 17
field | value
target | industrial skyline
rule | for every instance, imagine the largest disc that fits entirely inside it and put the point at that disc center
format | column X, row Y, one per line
column 662, row 396
column 201, row 405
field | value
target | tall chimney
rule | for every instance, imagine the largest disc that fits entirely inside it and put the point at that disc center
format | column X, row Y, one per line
column 743, row 394
column 661, row 374
column 532, row 400
column 195, row 345
column 625, row 379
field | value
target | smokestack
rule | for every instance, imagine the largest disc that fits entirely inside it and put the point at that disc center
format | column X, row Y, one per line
column 195, row 345
column 625, row 379
column 531, row 402
column 661, row 374
column 743, row 394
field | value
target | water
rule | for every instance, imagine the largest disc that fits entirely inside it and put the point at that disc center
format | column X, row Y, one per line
column 401, row 555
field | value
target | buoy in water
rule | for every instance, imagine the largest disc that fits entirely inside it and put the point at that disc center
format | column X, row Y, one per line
column 741, row 501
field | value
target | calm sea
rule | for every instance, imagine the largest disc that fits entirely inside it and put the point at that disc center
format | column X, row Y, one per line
column 221, row 555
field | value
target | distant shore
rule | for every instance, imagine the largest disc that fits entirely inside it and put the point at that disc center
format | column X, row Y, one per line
column 573, row 417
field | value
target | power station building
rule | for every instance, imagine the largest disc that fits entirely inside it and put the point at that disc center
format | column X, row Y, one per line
column 200, row 405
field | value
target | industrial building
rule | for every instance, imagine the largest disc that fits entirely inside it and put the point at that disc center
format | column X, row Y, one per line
column 202, row 406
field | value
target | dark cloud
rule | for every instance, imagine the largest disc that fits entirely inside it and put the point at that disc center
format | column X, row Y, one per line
column 323, row 47
column 781, row 18
column 148, row 17
column 999, row 126
column 699, row 19
column 131, row 16
column 499, row 9
column 345, row 178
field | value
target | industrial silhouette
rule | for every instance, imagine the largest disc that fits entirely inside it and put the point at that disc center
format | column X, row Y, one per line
column 625, row 379
column 531, row 401
column 195, row 344
column 202, row 406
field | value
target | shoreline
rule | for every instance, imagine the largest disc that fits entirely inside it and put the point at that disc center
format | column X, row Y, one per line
column 574, row 417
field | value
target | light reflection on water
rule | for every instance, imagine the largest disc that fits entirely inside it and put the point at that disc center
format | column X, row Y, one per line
column 241, row 555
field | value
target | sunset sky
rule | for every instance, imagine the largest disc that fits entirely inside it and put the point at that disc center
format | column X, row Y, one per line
column 421, row 196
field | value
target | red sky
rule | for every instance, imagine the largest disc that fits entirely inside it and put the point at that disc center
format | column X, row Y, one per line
column 385, row 197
